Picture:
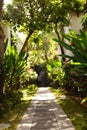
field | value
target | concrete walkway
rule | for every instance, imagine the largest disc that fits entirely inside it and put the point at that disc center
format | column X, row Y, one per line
column 4, row 126
column 45, row 114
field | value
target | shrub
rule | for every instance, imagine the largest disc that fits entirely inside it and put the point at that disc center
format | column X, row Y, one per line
column 14, row 97
column 75, row 78
column 55, row 72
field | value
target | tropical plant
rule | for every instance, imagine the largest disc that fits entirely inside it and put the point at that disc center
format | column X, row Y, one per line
column 84, row 21
column 77, row 44
column 75, row 78
column 55, row 72
column 14, row 68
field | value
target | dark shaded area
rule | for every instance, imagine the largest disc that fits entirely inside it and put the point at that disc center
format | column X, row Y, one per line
column 76, row 79
column 42, row 79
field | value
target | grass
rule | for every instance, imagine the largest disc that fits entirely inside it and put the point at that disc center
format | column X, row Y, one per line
column 14, row 116
column 76, row 112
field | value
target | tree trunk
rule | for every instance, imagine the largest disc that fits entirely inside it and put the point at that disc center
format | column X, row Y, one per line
column 61, row 47
column 1, row 77
column 1, row 62
column 1, row 53
column 2, row 36
column 1, row 5
column 26, row 41
column 46, row 57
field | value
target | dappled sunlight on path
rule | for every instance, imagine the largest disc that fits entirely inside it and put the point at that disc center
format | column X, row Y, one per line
column 45, row 114
column 43, row 94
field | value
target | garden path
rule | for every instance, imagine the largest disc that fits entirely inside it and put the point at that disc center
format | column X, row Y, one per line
column 44, row 113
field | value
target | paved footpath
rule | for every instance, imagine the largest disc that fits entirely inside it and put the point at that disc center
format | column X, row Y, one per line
column 44, row 113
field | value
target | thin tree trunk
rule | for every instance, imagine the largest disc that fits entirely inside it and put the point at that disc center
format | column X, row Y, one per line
column 1, row 63
column 46, row 57
column 1, row 53
column 2, row 36
column 1, row 5
column 62, row 50
column 1, row 31
column 26, row 41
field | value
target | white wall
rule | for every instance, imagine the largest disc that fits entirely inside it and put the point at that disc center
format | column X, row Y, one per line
column 6, row 29
column 75, row 24
column 75, row 20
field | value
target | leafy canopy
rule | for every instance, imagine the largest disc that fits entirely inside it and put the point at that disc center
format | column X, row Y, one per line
column 37, row 14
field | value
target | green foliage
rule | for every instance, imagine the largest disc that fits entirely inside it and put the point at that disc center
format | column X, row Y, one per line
column 84, row 21
column 16, row 75
column 41, row 48
column 41, row 14
column 31, row 20
column 31, row 89
column 10, row 101
column 14, row 97
column 84, row 100
column 77, row 44
column 29, row 16
column 32, row 76
column 13, row 106
column 78, row 5
column 75, row 74
column 14, row 68
column 55, row 72
column 75, row 78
